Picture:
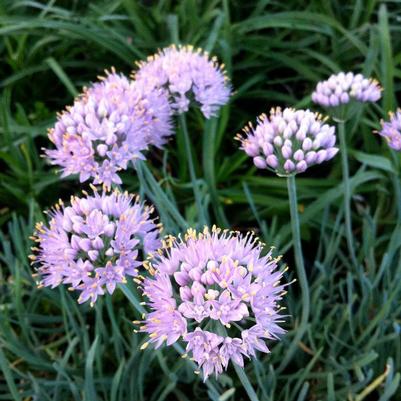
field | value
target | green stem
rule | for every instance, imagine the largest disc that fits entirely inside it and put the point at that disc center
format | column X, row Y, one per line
column 396, row 183
column 145, row 175
column 246, row 383
column 209, row 140
column 299, row 263
column 347, row 191
column 195, row 187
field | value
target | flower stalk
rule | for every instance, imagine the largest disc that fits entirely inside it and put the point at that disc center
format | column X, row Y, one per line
column 301, row 273
column 157, row 194
column 246, row 383
column 347, row 191
column 194, row 182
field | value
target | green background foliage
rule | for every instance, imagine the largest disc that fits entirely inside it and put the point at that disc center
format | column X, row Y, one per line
column 275, row 52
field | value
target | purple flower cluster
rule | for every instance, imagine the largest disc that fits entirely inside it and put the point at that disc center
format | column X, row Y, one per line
column 108, row 126
column 187, row 74
column 391, row 130
column 216, row 292
column 94, row 243
column 343, row 87
column 289, row 141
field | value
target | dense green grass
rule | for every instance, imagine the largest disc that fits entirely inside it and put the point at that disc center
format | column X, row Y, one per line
column 275, row 52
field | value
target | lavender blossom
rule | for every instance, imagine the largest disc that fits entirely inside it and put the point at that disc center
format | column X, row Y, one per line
column 188, row 75
column 343, row 87
column 94, row 243
column 289, row 141
column 216, row 292
column 108, row 126
column 391, row 130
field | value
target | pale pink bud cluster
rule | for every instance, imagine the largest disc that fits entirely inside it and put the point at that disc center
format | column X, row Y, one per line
column 289, row 141
column 343, row 87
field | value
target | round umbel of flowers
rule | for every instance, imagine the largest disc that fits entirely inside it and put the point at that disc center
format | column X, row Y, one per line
column 188, row 75
column 215, row 292
column 343, row 89
column 391, row 130
column 108, row 126
column 289, row 141
column 94, row 243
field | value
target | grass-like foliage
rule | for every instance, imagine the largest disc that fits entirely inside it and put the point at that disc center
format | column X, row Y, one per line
column 275, row 52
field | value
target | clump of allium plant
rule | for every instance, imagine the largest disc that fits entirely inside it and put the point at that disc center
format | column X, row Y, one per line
column 108, row 126
column 289, row 141
column 391, row 130
column 94, row 243
column 341, row 91
column 189, row 75
column 217, row 293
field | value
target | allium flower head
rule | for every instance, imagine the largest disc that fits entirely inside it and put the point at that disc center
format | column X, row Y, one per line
column 108, row 126
column 391, row 130
column 289, row 141
column 216, row 292
column 187, row 74
column 342, row 88
column 94, row 243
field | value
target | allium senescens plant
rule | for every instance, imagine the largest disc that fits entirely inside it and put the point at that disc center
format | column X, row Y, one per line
column 218, row 293
column 94, row 243
column 289, row 141
column 189, row 75
column 109, row 126
column 342, row 93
